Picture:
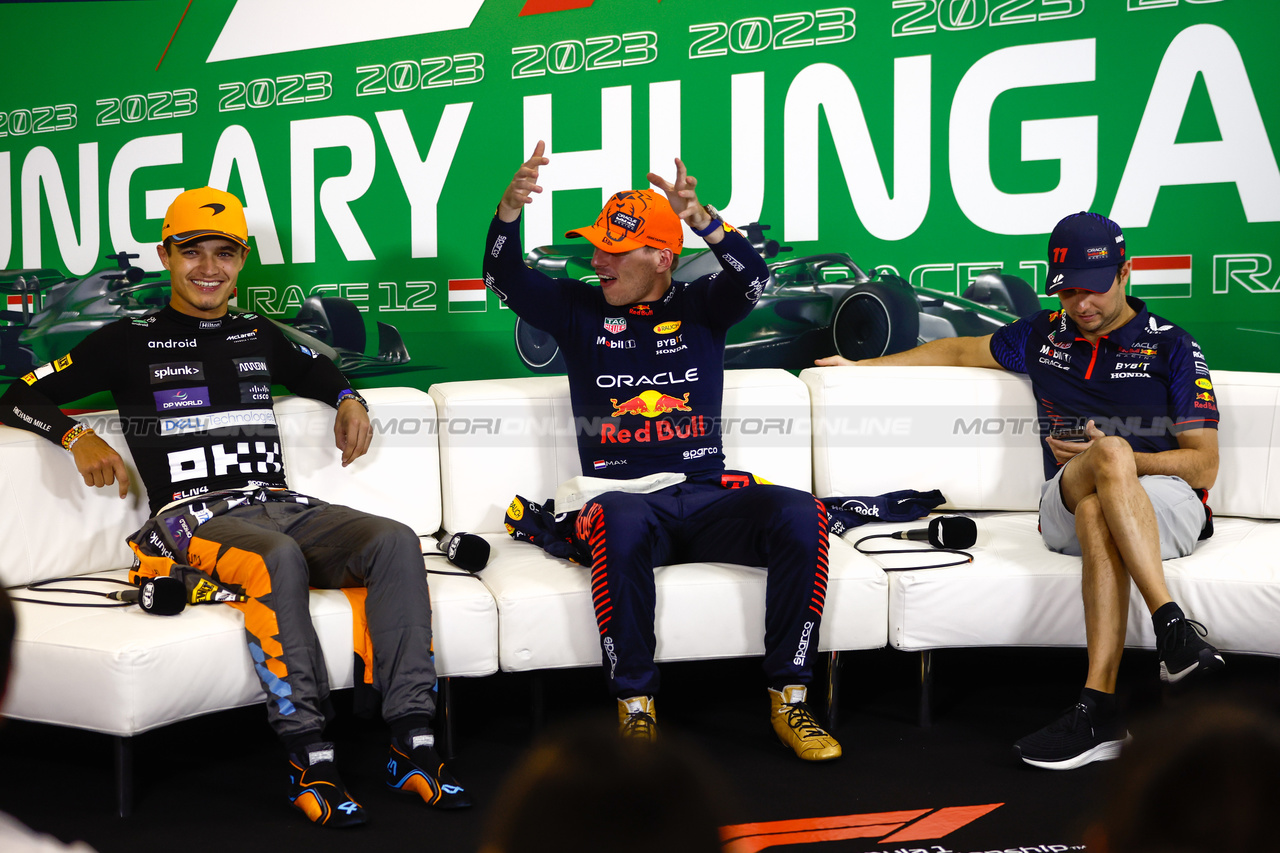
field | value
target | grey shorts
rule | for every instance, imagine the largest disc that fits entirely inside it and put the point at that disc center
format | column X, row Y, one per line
column 1179, row 515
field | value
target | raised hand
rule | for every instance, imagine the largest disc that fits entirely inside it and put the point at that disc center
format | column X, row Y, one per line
column 524, row 183
column 683, row 195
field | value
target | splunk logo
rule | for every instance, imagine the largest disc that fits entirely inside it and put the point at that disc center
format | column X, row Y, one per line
column 192, row 371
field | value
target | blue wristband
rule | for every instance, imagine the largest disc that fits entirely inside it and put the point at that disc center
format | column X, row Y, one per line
column 711, row 226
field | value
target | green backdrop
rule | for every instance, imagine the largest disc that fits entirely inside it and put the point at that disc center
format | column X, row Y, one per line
column 936, row 137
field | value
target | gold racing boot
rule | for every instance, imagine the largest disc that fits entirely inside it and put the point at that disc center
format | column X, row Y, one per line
column 796, row 727
column 637, row 719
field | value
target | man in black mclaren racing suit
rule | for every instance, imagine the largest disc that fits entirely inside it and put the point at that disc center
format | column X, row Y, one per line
column 193, row 385
column 645, row 359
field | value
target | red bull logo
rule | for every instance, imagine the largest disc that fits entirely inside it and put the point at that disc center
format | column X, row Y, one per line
column 1205, row 396
column 650, row 404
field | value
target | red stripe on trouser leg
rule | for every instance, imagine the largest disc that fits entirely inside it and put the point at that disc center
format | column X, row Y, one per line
column 820, row 576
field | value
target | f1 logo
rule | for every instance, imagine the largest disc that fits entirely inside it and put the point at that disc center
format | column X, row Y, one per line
column 911, row 825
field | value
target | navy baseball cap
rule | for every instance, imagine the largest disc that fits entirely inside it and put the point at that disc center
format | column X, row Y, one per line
column 1085, row 250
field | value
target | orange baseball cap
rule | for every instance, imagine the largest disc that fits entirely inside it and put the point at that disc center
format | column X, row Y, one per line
column 634, row 218
column 205, row 212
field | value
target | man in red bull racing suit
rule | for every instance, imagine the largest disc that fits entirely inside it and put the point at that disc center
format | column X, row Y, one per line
column 1131, row 451
column 645, row 363
column 193, row 385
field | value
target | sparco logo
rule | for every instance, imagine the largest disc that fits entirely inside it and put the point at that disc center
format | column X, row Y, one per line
column 803, row 648
column 170, row 344
column 613, row 656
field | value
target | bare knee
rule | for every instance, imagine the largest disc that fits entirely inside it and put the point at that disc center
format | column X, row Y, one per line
column 1112, row 458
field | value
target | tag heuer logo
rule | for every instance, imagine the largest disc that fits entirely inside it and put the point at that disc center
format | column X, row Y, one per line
column 615, row 324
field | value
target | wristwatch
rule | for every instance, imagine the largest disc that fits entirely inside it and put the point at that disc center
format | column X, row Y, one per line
column 716, row 221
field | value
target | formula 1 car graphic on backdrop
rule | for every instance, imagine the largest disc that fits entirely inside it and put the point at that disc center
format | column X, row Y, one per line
column 812, row 306
column 46, row 313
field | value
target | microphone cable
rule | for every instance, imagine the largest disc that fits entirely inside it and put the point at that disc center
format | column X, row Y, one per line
column 43, row 586
column 968, row 558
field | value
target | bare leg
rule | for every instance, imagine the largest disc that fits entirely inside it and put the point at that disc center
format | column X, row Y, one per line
column 1105, row 589
column 1108, row 470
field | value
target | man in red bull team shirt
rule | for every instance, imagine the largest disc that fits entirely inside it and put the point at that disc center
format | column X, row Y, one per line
column 645, row 358
column 1128, row 490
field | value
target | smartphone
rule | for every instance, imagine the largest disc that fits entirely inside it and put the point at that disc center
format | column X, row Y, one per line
column 1069, row 435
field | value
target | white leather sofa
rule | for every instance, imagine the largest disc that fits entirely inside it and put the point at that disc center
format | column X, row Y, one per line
column 123, row 672
column 835, row 431
column 967, row 431
column 499, row 438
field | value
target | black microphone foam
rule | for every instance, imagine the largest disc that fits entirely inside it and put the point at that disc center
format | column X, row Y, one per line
column 952, row 531
column 466, row 551
column 159, row 596
column 947, row 531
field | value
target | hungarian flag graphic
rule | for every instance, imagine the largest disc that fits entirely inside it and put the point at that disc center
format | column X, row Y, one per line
column 1161, row 276
column 466, row 294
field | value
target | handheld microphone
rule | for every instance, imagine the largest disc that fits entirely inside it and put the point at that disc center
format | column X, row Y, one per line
column 947, row 531
column 159, row 596
column 467, row 551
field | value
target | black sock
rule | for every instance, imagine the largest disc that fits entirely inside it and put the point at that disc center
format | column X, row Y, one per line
column 402, row 727
column 1105, row 704
column 1164, row 615
column 300, row 743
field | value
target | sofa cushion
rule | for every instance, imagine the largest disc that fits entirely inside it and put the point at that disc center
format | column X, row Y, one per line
column 1018, row 593
column 502, row 437
column 122, row 671
column 971, row 432
column 703, row 610
column 67, row 528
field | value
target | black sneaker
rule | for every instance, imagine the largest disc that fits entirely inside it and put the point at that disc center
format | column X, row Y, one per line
column 1073, row 740
column 316, row 789
column 1183, row 651
column 415, row 767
